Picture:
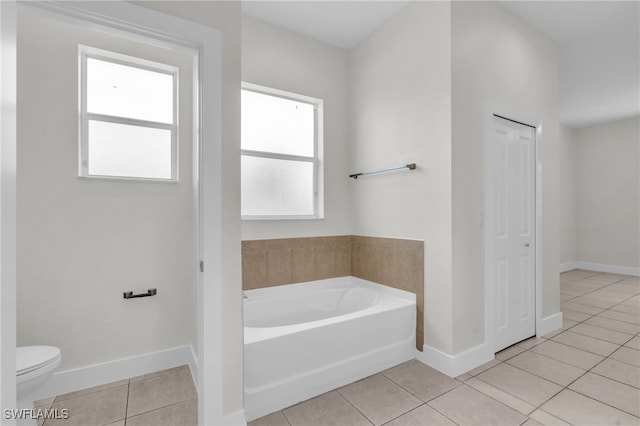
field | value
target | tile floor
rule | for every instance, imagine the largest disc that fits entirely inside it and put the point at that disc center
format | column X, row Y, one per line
column 587, row 373
column 166, row 397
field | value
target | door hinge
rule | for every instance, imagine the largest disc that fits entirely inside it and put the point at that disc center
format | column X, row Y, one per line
column 201, row 266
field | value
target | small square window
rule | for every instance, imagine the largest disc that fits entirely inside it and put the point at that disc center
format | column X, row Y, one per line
column 281, row 142
column 128, row 117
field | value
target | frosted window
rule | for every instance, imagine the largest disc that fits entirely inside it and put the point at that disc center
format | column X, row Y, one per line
column 125, row 150
column 274, row 187
column 276, row 124
column 126, row 91
column 127, row 116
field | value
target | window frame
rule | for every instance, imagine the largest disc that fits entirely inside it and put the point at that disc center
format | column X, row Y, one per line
column 88, row 52
column 316, row 160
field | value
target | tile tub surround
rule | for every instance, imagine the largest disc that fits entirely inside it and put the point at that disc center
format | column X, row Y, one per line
column 166, row 397
column 267, row 263
column 394, row 262
column 572, row 376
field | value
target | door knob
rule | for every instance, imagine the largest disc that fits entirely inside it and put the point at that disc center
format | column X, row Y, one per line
column 526, row 244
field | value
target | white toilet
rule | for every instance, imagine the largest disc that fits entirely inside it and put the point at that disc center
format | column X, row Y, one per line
column 34, row 365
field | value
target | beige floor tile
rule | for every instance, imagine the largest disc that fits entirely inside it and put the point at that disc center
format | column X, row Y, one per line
column 579, row 273
column 567, row 323
column 587, row 343
column 483, row 367
column 609, row 295
column 632, row 280
column 578, row 307
column 421, row 380
column 92, row 389
column 525, row 386
column 175, row 386
column 619, row 371
column 627, row 355
column 584, row 300
column 531, row 342
column 553, row 334
column 464, row 377
column 118, row 423
column 568, row 355
column 327, row 409
column 624, row 288
column 184, row 414
column 574, row 289
column 181, row 369
column 545, row 418
column 566, row 297
column 621, row 316
column 95, row 408
column 531, row 422
column 547, row 368
column 610, row 277
column 501, row 396
column 633, row 343
column 510, row 352
column 601, row 333
column 467, row 406
column 578, row 409
column 44, row 403
column 273, row 419
column 610, row 324
column 575, row 316
column 379, row 398
column 423, row 415
column 611, row 392
column 626, row 309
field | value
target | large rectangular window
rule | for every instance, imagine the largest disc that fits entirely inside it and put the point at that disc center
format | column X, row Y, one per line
column 128, row 117
column 281, row 145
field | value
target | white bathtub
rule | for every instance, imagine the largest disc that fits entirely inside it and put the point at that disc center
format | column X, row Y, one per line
column 301, row 340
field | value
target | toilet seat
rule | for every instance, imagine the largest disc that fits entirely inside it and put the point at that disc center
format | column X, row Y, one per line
column 30, row 358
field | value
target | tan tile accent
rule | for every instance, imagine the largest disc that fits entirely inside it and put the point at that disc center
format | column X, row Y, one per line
column 394, row 262
column 267, row 263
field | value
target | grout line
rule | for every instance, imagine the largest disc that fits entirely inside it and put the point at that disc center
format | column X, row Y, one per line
column 354, row 407
column 126, row 404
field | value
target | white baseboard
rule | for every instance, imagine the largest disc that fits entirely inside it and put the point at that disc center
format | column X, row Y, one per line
column 234, row 419
column 98, row 374
column 455, row 365
column 601, row 267
column 569, row 266
column 550, row 323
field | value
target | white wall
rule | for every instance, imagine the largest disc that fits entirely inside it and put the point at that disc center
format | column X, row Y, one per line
column 567, row 194
column 607, row 193
column 83, row 242
column 497, row 58
column 281, row 59
column 400, row 112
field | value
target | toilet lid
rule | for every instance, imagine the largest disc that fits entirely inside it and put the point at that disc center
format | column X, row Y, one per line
column 29, row 358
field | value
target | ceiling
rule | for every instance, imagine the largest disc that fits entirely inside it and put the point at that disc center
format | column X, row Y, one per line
column 599, row 44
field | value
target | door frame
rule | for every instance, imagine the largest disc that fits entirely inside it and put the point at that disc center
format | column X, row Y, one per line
column 492, row 110
column 144, row 24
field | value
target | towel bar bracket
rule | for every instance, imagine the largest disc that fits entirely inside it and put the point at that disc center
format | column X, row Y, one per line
column 130, row 295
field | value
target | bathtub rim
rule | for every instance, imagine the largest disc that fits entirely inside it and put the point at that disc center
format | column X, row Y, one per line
column 396, row 299
column 337, row 282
